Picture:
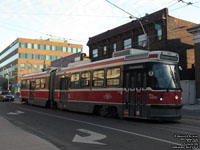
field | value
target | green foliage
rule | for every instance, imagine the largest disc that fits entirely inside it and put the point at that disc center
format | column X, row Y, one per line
column 3, row 83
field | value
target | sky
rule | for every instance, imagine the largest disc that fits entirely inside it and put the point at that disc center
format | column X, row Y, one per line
column 77, row 20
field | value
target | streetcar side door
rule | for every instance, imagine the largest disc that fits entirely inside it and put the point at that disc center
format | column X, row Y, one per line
column 32, row 92
column 135, row 97
column 51, row 102
column 64, row 95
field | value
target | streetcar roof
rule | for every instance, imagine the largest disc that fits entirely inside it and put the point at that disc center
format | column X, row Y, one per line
column 153, row 56
column 144, row 56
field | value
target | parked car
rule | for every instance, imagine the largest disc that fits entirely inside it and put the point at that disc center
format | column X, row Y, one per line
column 6, row 96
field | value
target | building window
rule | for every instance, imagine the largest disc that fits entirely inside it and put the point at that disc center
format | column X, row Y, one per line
column 29, row 56
column 127, row 43
column 159, row 34
column 42, row 57
column 53, row 57
column 104, row 50
column 48, row 47
column 41, row 67
column 42, row 46
column 114, row 47
column 29, row 66
column 95, row 53
column 22, row 55
column 69, row 49
column 48, row 57
column 79, row 50
column 53, row 48
column 23, row 45
column 35, row 67
column 58, row 57
column 35, row 56
column 142, row 40
column 74, row 50
column 59, row 48
column 29, row 45
column 64, row 49
column 22, row 66
column 35, row 46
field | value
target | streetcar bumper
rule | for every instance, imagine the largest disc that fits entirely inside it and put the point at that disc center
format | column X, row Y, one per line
column 165, row 112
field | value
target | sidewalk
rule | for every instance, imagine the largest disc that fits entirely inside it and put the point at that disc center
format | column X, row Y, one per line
column 191, row 111
column 14, row 138
column 194, row 108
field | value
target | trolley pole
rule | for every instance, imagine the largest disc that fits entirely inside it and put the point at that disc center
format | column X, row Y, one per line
column 132, row 17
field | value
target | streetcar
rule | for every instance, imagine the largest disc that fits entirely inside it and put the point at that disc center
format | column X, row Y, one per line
column 133, row 83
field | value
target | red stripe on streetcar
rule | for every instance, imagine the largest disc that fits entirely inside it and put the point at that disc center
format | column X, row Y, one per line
column 153, row 56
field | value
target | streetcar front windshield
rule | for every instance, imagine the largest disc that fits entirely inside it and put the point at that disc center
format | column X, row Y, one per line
column 164, row 76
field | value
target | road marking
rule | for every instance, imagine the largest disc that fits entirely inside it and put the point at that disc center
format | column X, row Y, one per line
column 106, row 127
column 91, row 139
column 17, row 112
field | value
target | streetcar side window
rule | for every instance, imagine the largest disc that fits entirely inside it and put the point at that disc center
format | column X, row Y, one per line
column 113, row 77
column 75, row 80
column 28, row 84
column 37, row 83
column 32, row 84
column 85, row 79
column 98, row 78
column 24, row 84
column 43, row 83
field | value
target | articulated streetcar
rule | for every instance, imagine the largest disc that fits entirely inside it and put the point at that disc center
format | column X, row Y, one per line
column 134, row 83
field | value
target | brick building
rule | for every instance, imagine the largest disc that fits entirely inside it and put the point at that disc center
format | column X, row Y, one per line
column 161, row 32
column 28, row 55
column 196, row 31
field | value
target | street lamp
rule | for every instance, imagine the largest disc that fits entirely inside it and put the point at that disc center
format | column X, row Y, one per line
column 8, row 76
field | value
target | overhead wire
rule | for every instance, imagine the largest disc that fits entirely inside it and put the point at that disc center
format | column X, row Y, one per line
column 187, row 4
column 48, row 14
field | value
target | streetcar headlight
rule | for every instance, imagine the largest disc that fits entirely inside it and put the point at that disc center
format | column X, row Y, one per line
column 176, row 97
column 161, row 99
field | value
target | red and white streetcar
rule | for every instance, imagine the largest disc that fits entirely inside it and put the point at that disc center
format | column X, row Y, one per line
column 134, row 83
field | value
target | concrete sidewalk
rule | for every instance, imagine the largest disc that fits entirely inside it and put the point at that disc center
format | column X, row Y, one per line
column 14, row 138
column 195, row 108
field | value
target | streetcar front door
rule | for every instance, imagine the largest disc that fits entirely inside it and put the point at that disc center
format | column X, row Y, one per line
column 135, row 97
column 64, row 95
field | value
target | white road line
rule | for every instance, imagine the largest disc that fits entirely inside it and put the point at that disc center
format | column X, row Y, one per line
column 106, row 127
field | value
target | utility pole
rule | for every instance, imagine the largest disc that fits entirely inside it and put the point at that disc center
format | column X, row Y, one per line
column 8, row 80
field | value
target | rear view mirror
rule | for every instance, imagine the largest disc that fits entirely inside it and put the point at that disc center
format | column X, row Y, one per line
column 180, row 68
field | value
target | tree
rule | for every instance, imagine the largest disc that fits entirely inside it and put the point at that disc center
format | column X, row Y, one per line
column 3, row 83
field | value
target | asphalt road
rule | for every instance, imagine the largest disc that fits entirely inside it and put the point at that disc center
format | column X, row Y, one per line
column 75, row 131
